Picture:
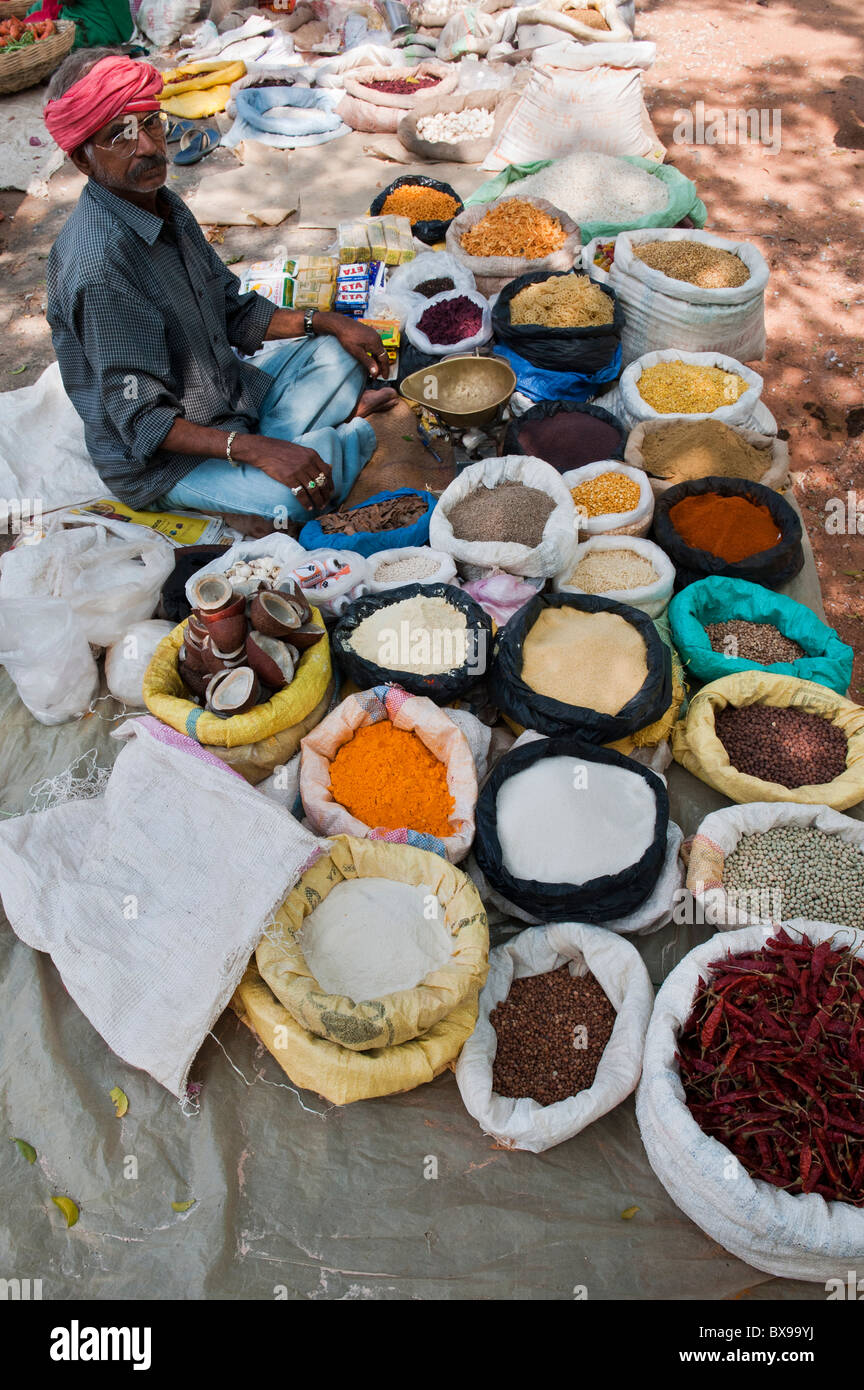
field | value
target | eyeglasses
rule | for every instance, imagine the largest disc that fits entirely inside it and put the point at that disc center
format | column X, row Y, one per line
column 125, row 141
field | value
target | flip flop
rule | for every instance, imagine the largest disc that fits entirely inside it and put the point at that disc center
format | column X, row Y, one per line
column 174, row 130
column 194, row 144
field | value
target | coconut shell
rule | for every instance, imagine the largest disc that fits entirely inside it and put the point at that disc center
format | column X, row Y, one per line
column 271, row 660
column 233, row 692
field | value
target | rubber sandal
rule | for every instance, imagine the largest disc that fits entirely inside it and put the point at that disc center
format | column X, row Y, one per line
column 194, row 144
column 174, row 130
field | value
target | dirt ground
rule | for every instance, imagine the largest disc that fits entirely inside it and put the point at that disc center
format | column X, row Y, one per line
column 801, row 205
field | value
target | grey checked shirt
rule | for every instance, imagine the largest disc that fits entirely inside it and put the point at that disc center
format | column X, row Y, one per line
column 143, row 316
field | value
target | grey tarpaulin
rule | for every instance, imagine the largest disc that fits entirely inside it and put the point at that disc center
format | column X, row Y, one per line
column 395, row 1198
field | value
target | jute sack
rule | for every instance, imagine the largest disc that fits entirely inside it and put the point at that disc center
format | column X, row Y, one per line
column 492, row 273
column 365, row 109
column 792, row 1237
column 416, row 714
column 696, row 746
column 776, row 473
column 469, row 151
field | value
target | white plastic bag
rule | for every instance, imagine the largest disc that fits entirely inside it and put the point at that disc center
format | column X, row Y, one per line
column 283, row 549
column 476, row 558
column 740, row 412
column 792, row 1237
column 652, row 599
column 776, row 473
column 400, row 293
column 618, row 968
column 444, row 573
column 660, row 312
column 127, row 659
column 418, row 339
column 163, row 21
column 636, row 522
column 45, row 651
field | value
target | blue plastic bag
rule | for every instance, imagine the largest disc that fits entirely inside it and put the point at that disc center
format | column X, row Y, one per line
column 543, row 385
column 369, row 542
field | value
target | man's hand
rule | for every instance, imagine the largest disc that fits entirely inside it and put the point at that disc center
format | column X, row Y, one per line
column 291, row 464
column 359, row 339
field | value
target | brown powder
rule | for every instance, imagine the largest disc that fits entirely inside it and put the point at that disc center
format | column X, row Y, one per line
column 594, row 660
column 702, row 449
column 508, row 512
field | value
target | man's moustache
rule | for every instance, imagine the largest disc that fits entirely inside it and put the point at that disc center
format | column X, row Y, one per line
column 146, row 164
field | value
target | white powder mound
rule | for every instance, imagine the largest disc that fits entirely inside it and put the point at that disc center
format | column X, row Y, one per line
column 371, row 936
column 420, row 634
column 561, row 821
column 596, row 188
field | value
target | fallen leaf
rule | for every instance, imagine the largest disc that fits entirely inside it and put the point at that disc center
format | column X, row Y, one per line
column 121, row 1101
column 25, row 1150
column 409, row 438
column 68, row 1208
column 629, row 1213
column 183, row 1206
column 16, row 371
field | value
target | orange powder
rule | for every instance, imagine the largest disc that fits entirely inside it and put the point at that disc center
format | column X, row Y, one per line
column 388, row 779
column 729, row 527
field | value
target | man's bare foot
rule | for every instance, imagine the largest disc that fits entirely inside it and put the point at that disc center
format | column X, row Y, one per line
column 382, row 398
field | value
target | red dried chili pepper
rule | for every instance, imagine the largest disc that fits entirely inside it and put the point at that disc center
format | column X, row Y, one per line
column 712, row 1024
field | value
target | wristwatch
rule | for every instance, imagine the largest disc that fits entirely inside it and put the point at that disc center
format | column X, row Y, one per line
column 308, row 330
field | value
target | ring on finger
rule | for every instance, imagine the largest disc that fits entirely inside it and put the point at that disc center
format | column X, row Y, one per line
column 319, row 481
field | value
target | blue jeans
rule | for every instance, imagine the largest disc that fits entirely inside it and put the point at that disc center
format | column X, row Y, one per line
column 316, row 385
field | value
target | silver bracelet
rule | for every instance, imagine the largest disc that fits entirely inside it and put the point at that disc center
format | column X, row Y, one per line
column 232, row 436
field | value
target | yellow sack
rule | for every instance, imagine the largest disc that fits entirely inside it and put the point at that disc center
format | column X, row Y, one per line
column 165, row 696
column 196, row 77
column 696, row 746
column 194, row 106
column 395, row 1018
column 255, row 761
column 662, row 728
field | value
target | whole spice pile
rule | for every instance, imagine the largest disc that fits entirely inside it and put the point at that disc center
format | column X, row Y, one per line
column 605, row 494
column 509, row 511
column 702, row 449
column 406, row 570
column 515, row 228
column 449, row 127
column 569, row 439
column 761, row 642
column 429, row 288
column 604, row 255
column 563, row 301
column 388, row 515
column 709, row 267
column 421, row 204
column 785, row 745
column 685, row 388
column 813, row 875
column 451, row 320
column 591, row 660
column 389, row 780
column 401, row 86
column 732, row 528
column 601, row 571
column 771, row 1060
column 552, row 1030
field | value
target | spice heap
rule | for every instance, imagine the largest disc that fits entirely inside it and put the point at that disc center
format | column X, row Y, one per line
column 406, row 570
column 429, row 288
column 449, row 127
column 691, row 449
column 509, row 511
column 538, row 1054
column 451, row 320
column 424, row 635
column 771, row 1057
column 564, row 301
column 593, row 187
column 515, row 228
column 389, row 780
column 592, row 660
column 685, row 388
column 569, row 439
column 401, row 86
column 732, row 528
column 606, row 494
column 709, row 267
column 761, row 642
column 421, row 204
column 592, row 19
column 814, row 875
column 785, row 745
column 601, row 571
column 388, row 515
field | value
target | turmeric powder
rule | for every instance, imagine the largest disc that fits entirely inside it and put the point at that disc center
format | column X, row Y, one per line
column 389, row 780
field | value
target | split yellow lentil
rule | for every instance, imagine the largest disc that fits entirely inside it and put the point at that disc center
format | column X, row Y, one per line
column 685, row 388
column 609, row 492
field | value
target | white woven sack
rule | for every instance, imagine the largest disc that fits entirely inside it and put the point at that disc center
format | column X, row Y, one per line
column 618, row 967
column 718, row 836
column 476, row 558
column 472, row 29
column 792, row 1237
column 400, row 295
column 418, row 339
column 740, row 412
column 588, row 264
column 636, row 522
column 660, row 312
column 652, row 599
column 776, row 473
column 445, row 573
column 553, row 15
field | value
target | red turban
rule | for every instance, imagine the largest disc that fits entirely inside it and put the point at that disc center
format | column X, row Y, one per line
column 113, row 87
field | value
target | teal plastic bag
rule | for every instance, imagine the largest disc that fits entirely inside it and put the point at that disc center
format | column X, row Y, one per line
column 719, row 599
column 684, row 201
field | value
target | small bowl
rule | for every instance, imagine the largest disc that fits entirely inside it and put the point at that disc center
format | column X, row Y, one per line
column 272, row 660
column 231, row 610
column 193, row 658
column 197, row 634
column 444, row 388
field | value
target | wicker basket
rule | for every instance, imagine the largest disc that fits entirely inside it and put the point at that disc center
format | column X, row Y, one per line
column 38, row 60
column 14, row 9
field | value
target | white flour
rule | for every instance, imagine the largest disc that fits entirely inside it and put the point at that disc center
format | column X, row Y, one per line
column 421, row 634
column 370, row 937
column 561, row 821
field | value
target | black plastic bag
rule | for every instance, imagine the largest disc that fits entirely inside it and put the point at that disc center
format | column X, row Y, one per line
column 554, row 718
column 544, row 410
column 440, row 687
column 429, row 232
column 583, row 350
column 773, row 567
column 602, row 899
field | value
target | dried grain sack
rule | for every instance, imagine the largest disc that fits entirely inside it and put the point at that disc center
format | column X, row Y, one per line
column 686, row 388
column 451, row 320
column 421, row 204
column 509, row 512
column 597, row 188
column 790, row 746
column 803, row 870
column 592, row 660
column 424, row 634
column 515, row 227
column 602, row 571
column 406, row 570
column 564, row 301
column 605, row 495
column 535, row 1028
column 709, row 267
column 689, row 449
column 762, row 642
